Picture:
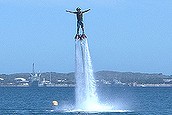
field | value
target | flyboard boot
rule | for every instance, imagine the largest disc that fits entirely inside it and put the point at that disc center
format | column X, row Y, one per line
column 77, row 36
column 83, row 36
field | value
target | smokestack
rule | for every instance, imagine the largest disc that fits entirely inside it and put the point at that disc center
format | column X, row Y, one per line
column 33, row 68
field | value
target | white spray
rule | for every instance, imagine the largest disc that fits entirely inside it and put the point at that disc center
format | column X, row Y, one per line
column 86, row 96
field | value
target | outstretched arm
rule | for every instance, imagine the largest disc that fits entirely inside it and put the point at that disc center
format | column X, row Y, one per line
column 70, row 11
column 86, row 11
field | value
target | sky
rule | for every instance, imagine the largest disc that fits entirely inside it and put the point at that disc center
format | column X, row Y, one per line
column 123, row 35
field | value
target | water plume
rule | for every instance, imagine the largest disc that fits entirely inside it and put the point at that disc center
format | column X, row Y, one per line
column 85, row 82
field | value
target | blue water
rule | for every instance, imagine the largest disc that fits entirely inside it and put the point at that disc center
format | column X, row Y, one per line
column 129, row 100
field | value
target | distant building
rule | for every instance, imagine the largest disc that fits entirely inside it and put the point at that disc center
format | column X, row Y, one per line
column 167, row 80
column 34, row 78
column 1, row 79
column 20, row 79
column 21, row 82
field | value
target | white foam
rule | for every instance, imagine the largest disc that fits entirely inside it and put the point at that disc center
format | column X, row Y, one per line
column 85, row 83
column 100, row 111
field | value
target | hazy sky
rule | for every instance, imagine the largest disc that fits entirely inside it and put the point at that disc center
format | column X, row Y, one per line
column 123, row 35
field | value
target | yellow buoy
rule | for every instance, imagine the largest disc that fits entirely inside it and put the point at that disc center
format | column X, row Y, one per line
column 55, row 103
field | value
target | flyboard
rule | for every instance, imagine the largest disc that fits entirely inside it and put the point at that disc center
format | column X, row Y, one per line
column 80, row 37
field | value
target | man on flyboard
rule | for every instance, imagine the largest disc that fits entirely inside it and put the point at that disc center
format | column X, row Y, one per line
column 79, row 15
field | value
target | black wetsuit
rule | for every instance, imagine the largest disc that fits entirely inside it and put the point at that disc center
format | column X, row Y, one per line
column 79, row 21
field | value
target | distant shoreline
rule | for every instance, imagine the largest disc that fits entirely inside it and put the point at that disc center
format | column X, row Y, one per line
column 103, row 78
column 139, row 85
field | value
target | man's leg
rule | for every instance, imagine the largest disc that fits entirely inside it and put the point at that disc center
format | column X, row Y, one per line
column 82, row 26
column 82, row 30
column 78, row 25
column 77, row 33
column 83, row 36
column 77, row 30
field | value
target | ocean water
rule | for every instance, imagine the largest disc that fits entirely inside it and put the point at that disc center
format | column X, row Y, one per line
column 122, row 100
